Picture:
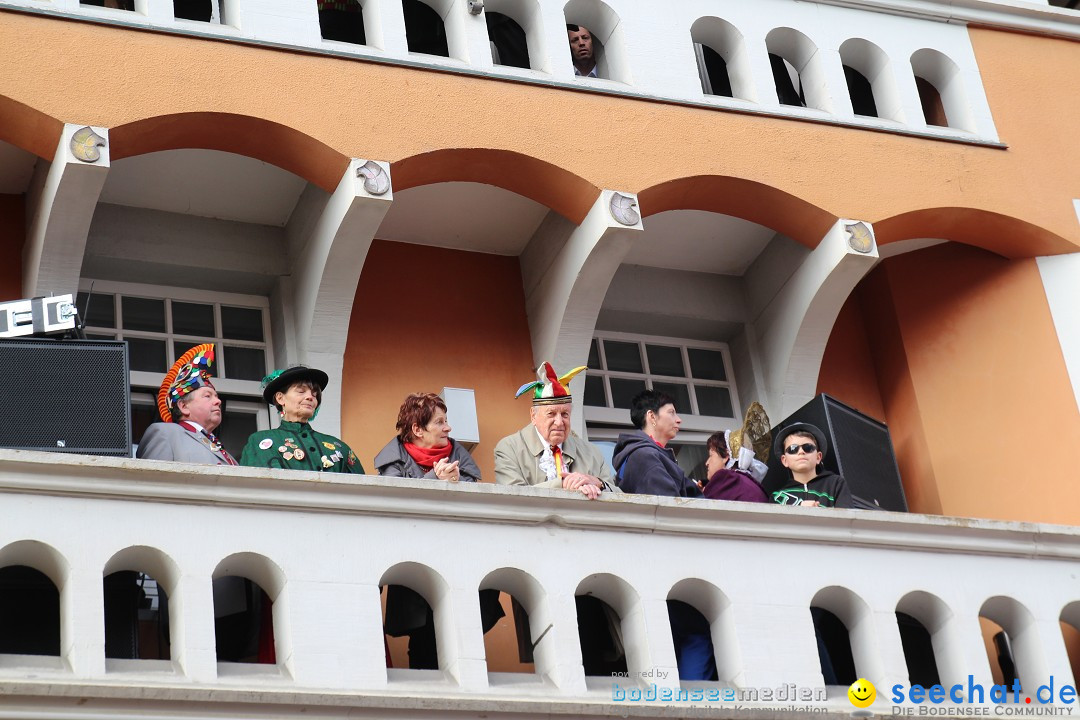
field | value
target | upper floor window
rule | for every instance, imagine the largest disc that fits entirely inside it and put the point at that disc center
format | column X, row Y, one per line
column 425, row 31
column 723, row 66
column 696, row 375
column 342, row 20
column 1070, row 4
column 509, row 43
column 115, row 4
column 199, row 10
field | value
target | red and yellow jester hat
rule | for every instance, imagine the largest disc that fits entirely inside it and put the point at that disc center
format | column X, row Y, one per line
column 550, row 389
column 189, row 373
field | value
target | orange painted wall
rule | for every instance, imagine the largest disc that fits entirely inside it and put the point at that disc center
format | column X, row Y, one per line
column 426, row 318
column 884, row 174
column 972, row 382
column 12, row 236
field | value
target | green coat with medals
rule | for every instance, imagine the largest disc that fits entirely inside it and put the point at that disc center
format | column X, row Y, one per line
column 296, row 446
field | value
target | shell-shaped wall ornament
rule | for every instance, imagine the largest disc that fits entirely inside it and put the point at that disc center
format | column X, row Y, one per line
column 624, row 209
column 376, row 181
column 85, row 143
column 860, row 239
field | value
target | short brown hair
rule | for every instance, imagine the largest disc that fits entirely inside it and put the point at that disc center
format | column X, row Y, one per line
column 718, row 444
column 314, row 388
column 417, row 409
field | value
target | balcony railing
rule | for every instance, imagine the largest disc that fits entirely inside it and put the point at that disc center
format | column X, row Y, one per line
column 322, row 546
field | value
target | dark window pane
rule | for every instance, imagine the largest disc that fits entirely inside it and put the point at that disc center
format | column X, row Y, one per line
column 424, row 30
column 143, row 314
column 201, row 10
column 717, row 71
column 679, row 392
column 623, row 391
column 96, row 336
column 594, row 355
column 714, row 401
column 242, row 323
column 706, row 364
column 101, row 311
column 193, row 319
column 245, row 363
column 623, row 356
column 234, row 429
column 511, row 46
column 594, row 391
column 148, row 355
column 861, row 92
column 665, row 360
column 182, row 346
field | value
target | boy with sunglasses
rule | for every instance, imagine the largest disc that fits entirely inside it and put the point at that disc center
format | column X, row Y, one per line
column 801, row 448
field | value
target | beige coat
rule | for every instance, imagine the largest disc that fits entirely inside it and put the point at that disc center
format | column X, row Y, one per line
column 517, row 460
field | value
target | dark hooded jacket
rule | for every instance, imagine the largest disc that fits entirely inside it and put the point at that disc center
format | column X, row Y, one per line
column 642, row 466
column 827, row 488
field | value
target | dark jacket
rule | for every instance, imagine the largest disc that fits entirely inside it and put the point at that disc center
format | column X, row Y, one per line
column 395, row 461
column 728, row 484
column 827, row 488
column 642, row 466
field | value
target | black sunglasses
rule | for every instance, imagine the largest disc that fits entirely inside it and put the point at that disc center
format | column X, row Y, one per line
column 806, row 448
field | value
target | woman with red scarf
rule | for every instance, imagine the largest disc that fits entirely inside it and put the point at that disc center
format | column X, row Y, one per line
column 422, row 449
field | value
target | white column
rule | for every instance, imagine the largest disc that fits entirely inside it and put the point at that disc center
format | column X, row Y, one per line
column 795, row 325
column 328, row 270
column 564, row 305
column 60, row 204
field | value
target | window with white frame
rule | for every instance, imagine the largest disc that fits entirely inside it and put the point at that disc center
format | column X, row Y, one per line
column 696, row 375
column 160, row 324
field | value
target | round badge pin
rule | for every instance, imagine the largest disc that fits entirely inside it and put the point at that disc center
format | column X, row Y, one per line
column 298, row 454
column 265, row 444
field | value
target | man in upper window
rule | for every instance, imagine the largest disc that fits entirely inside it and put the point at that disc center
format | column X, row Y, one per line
column 581, row 50
column 546, row 453
column 801, row 448
column 643, row 461
column 191, row 410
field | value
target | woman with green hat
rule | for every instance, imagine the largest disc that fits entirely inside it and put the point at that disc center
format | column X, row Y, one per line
column 296, row 393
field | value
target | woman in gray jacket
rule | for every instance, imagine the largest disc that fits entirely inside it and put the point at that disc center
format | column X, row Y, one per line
column 423, row 447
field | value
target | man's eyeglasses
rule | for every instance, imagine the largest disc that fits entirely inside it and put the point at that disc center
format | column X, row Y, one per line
column 805, row 447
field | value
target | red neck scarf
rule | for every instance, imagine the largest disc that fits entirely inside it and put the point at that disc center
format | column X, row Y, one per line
column 427, row 457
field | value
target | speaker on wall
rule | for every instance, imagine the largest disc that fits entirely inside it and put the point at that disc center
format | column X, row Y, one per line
column 65, row 396
column 860, row 449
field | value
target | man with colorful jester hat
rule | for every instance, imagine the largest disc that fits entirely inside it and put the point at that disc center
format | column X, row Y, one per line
column 191, row 410
column 546, row 453
column 296, row 392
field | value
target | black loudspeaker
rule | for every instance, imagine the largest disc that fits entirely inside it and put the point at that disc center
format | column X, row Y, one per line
column 65, row 396
column 860, row 449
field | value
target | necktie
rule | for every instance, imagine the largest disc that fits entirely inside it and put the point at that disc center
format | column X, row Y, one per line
column 216, row 445
column 556, row 453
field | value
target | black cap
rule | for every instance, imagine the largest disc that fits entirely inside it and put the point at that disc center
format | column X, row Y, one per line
column 297, row 373
column 778, row 441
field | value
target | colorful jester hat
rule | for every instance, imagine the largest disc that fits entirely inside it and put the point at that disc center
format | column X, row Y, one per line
column 189, row 373
column 550, row 389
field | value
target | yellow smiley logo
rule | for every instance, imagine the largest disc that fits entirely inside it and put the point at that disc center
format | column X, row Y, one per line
column 862, row 693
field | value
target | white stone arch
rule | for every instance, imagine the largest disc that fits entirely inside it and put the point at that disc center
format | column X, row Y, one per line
column 711, row 602
column 940, row 621
column 858, row 618
column 51, row 563
column 1020, row 626
column 944, row 74
column 873, row 63
column 612, row 55
column 726, row 40
column 265, row 573
column 528, row 15
column 430, row 585
column 626, row 602
column 532, row 596
column 803, row 55
column 164, row 570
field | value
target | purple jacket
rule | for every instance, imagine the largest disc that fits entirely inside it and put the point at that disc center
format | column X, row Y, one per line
column 726, row 484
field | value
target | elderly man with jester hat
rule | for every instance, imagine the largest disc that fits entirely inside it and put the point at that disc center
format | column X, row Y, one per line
column 191, row 411
column 297, row 393
column 546, row 453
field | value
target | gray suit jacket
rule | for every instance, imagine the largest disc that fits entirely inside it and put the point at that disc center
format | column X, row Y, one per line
column 517, row 460
column 169, row 441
